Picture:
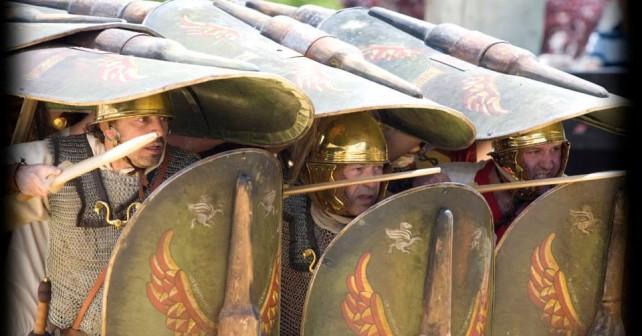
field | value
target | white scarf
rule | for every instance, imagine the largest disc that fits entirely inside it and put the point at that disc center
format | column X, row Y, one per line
column 329, row 221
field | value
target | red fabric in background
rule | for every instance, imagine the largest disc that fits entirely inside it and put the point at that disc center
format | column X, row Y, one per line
column 468, row 154
column 569, row 24
column 483, row 178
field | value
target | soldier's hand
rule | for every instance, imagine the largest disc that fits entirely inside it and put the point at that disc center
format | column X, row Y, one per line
column 431, row 179
column 32, row 180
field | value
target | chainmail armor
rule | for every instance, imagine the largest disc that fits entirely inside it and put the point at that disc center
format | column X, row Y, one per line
column 178, row 159
column 294, row 282
column 301, row 228
column 74, row 149
column 78, row 254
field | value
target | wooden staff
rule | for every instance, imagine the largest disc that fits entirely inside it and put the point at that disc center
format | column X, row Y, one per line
column 83, row 167
column 549, row 181
column 25, row 118
column 344, row 183
column 71, row 171
column 239, row 317
column 44, row 297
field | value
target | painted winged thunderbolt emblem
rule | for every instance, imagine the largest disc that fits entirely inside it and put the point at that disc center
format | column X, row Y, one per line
column 207, row 29
column 119, row 69
column 402, row 237
column 170, row 292
column 381, row 52
column 548, row 290
column 482, row 95
column 362, row 308
column 309, row 76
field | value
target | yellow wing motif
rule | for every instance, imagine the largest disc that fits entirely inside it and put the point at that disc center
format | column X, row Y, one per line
column 169, row 291
column 362, row 309
column 547, row 289
column 270, row 308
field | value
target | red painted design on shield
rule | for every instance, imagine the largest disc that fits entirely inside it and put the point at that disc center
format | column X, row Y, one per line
column 119, row 69
column 362, row 308
column 481, row 95
column 207, row 29
column 270, row 308
column 170, row 292
column 309, row 77
column 477, row 324
column 380, row 52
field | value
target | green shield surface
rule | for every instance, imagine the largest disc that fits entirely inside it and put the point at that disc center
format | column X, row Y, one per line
column 551, row 261
column 168, row 270
column 370, row 280
column 243, row 107
column 201, row 26
column 25, row 34
column 496, row 103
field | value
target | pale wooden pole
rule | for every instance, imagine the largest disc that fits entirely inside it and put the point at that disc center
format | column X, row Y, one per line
column 25, row 119
column 370, row 179
column 549, row 181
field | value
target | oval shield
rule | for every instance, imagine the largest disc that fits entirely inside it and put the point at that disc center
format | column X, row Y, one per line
column 498, row 104
column 168, row 271
column 550, row 263
column 208, row 101
column 371, row 278
column 201, row 26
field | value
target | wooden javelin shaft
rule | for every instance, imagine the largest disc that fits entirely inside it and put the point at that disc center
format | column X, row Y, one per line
column 549, row 181
column 429, row 171
column 344, row 183
column 116, row 153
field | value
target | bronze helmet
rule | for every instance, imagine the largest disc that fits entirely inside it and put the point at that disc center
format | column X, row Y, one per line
column 505, row 153
column 354, row 138
column 154, row 105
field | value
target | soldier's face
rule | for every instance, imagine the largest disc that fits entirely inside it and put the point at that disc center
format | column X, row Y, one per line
column 129, row 128
column 541, row 161
column 361, row 196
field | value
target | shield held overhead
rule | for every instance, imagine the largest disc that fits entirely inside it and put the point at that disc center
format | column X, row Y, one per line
column 122, row 60
column 551, row 263
column 498, row 104
column 416, row 263
column 171, row 267
column 201, row 26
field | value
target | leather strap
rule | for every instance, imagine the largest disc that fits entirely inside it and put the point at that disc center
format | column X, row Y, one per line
column 162, row 173
column 88, row 300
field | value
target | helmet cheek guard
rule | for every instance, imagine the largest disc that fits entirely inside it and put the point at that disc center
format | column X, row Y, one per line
column 348, row 139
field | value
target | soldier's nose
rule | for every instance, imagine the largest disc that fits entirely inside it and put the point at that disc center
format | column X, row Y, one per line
column 547, row 164
column 159, row 126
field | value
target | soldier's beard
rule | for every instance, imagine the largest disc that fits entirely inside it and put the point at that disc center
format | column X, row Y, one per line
column 148, row 156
